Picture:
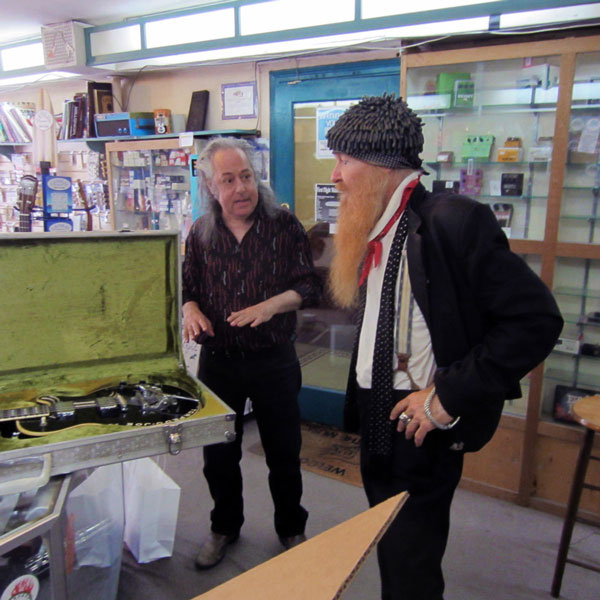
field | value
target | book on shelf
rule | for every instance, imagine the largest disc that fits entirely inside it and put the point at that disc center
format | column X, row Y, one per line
column 99, row 100
column 15, row 126
column 74, row 123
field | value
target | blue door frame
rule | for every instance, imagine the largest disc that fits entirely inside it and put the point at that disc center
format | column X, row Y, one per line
column 318, row 84
column 345, row 81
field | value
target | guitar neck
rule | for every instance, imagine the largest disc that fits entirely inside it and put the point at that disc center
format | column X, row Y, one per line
column 24, row 222
column 29, row 412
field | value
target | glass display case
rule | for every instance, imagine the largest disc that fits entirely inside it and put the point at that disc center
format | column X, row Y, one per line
column 579, row 219
column 489, row 134
column 517, row 126
column 150, row 183
column 572, row 369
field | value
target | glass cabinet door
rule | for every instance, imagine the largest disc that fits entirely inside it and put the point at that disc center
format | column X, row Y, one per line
column 150, row 187
column 572, row 369
column 489, row 133
column 580, row 216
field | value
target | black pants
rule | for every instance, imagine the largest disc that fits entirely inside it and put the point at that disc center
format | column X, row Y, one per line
column 272, row 380
column 411, row 551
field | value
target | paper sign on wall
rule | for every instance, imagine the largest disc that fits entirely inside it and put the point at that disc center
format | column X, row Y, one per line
column 326, row 118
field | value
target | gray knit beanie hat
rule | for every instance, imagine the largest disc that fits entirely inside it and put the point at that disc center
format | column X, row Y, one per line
column 381, row 130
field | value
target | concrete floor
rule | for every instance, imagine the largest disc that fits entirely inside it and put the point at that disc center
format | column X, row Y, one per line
column 497, row 550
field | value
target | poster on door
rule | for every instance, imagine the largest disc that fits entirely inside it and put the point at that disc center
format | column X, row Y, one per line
column 326, row 118
column 327, row 203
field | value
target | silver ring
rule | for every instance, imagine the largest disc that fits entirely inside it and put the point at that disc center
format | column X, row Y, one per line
column 405, row 418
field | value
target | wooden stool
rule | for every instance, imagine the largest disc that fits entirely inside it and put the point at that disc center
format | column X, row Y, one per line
column 587, row 412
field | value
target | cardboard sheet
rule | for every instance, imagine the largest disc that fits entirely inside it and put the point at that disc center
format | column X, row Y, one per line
column 319, row 569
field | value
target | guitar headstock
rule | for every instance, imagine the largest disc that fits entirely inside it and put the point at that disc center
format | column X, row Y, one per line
column 27, row 192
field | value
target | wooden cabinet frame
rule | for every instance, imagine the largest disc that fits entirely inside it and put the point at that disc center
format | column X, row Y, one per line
column 538, row 449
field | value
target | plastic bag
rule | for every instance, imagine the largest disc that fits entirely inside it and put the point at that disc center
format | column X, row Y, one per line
column 96, row 509
column 151, row 506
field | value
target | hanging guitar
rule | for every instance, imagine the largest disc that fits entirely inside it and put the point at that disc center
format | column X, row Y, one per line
column 26, row 201
column 138, row 404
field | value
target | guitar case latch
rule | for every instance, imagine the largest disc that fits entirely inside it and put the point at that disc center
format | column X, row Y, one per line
column 174, row 438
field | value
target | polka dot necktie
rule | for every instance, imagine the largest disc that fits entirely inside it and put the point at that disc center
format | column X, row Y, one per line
column 380, row 428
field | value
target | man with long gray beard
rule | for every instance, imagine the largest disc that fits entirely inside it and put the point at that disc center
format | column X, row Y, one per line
column 449, row 320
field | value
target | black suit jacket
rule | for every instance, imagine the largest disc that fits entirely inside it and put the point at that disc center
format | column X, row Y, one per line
column 490, row 317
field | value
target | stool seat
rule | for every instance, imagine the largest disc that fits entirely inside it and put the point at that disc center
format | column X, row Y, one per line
column 587, row 412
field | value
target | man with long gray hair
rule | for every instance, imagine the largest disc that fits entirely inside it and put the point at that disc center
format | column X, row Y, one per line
column 247, row 269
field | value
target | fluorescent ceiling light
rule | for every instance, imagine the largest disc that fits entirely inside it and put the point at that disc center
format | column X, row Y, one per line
column 386, row 8
column 22, row 57
column 36, row 78
column 113, row 41
column 212, row 25
column 529, row 18
column 307, row 44
column 280, row 15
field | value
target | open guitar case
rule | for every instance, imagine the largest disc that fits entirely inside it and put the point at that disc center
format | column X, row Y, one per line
column 85, row 313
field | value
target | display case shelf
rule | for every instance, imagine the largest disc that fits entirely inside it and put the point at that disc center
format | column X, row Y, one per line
column 479, row 162
column 565, row 377
column 577, row 292
column 97, row 143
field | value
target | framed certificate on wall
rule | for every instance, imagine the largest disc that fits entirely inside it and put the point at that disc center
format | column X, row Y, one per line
column 240, row 100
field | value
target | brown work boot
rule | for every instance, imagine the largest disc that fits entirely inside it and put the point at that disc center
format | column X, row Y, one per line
column 213, row 549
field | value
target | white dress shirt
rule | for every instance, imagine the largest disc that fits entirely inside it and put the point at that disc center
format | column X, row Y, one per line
column 421, row 364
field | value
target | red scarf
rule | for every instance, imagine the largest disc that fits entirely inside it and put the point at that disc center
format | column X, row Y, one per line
column 375, row 247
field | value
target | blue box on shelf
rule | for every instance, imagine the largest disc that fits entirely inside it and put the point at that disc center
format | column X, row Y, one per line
column 124, row 123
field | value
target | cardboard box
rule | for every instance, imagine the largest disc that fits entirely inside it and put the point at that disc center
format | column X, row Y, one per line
column 91, row 331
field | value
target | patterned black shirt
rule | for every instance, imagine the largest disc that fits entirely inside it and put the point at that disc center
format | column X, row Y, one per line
column 227, row 276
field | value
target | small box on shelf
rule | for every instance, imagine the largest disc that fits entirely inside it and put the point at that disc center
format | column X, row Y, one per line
column 445, row 156
column 445, row 185
column 510, row 154
column 567, row 345
column 458, row 85
column 503, row 212
column 471, row 181
column 511, row 184
column 477, row 146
